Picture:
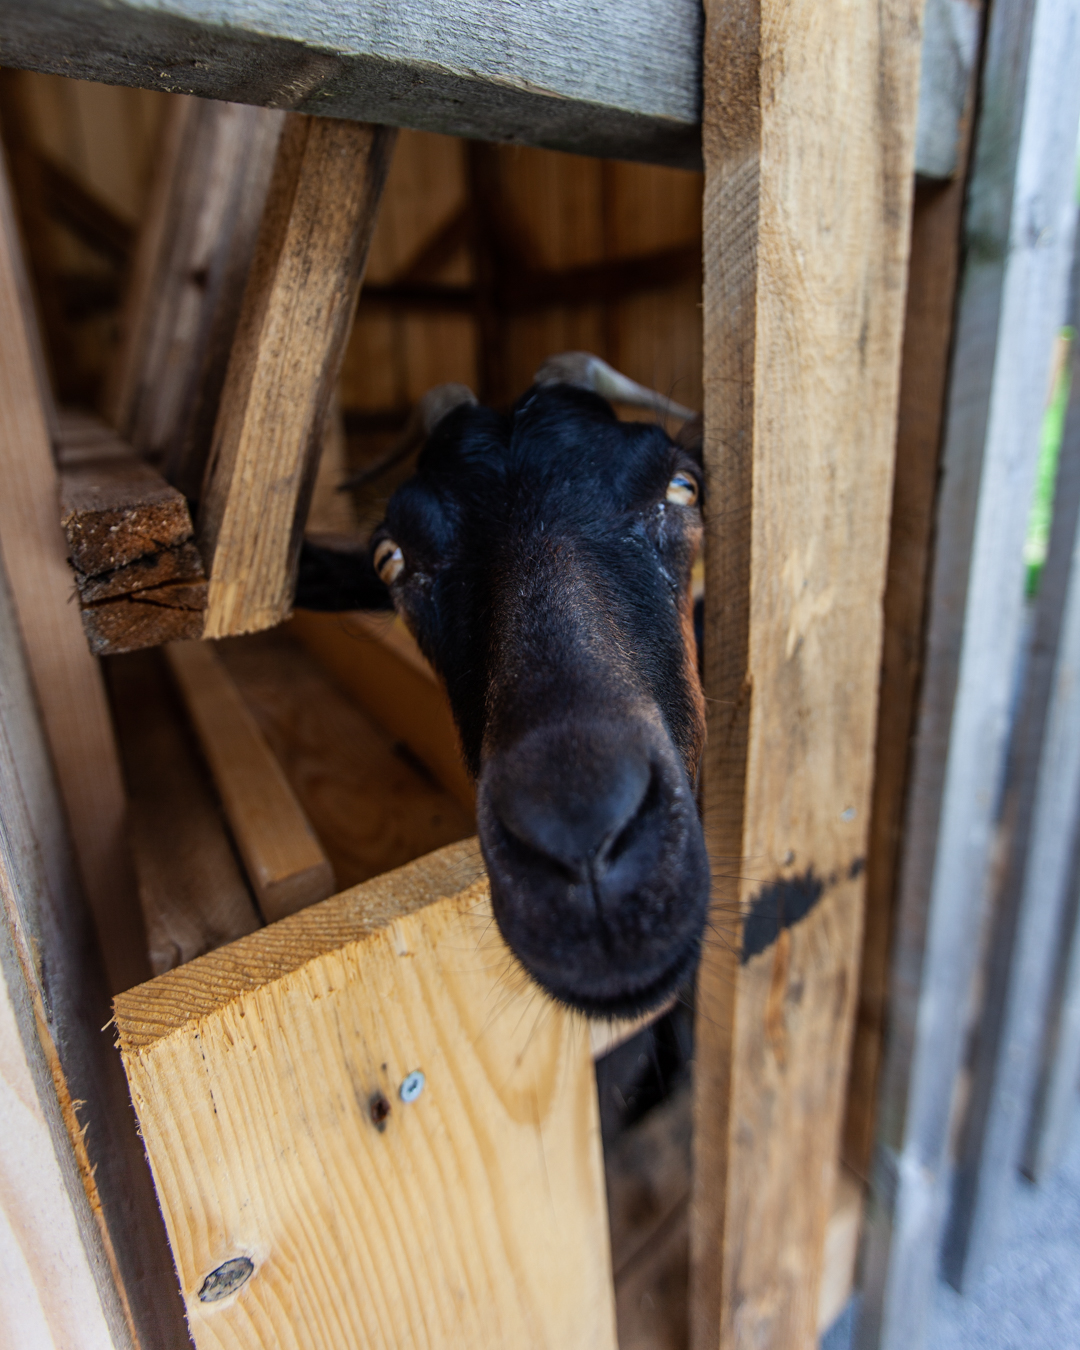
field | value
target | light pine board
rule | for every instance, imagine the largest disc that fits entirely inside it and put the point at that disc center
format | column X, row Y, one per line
column 807, row 210
column 66, row 677
column 294, row 322
column 284, row 860
column 1012, row 297
column 474, row 1219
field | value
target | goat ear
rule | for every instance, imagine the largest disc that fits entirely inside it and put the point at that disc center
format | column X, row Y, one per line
column 336, row 573
column 691, row 437
column 428, row 411
column 586, row 371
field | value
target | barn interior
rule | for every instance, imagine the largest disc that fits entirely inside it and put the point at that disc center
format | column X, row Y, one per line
column 486, row 260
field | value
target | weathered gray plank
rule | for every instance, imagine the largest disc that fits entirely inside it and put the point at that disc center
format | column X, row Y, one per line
column 620, row 81
column 615, row 80
column 949, row 51
column 1012, row 298
column 1058, row 1075
column 1041, row 806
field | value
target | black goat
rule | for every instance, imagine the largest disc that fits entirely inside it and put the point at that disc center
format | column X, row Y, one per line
column 542, row 560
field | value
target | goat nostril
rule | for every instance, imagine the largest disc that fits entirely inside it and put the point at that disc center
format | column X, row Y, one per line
column 528, row 856
column 632, row 830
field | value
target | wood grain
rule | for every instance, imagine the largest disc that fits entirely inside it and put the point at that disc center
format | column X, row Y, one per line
column 285, row 863
column 297, row 308
column 474, row 1217
column 85, row 1256
column 372, row 807
column 807, row 201
column 374, row 659
column 496, row 71
column 66, row 677
column 187, row 281
column 138, row 574
column 191, row 889
column 931, row 298
column 115, row 511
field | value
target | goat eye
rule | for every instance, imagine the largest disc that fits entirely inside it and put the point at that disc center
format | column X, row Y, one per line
column 682, row 490
column 388, row 561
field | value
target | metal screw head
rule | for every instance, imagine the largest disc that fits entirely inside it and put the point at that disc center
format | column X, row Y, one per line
column 226, row 1280
column 411, row 1087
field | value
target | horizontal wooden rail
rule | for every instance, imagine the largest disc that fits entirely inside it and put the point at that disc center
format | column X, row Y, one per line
column 490, row 69
column 447, row 1190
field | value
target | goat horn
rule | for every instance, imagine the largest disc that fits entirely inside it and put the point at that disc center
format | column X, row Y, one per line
column 588, row 372
column 428, row 411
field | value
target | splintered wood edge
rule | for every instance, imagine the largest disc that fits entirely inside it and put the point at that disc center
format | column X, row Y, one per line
column 152, row 1011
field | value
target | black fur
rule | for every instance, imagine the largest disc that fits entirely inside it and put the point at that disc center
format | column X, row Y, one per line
column 547, row 581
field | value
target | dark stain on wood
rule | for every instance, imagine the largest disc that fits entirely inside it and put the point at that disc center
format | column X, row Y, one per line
column 780, row 904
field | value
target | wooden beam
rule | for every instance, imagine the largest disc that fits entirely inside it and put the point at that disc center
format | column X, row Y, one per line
column 471, row 1215
column 807, row 213
column 85, row 1256
column 66, row 677
column 193, row 895
column 1059, row 1053
column 297, row 309
column 1030, row 924
column 285, row 862
column 183, row 304
column 138, row 574
column 115, row 511
column 375, row 660
column 480, row 70
column 491, row 71
column 936, row 237
column 1012, row 293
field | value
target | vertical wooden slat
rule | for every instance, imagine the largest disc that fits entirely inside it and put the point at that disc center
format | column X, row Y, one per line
column 66, row 677
column 1059, row 1066
column 928, row 322
column 301, row 292
column 809, row 142
column 1011, row 301
column 191, row 264
column 77, row 1121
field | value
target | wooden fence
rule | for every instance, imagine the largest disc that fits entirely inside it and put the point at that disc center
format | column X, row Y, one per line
column 891, row 785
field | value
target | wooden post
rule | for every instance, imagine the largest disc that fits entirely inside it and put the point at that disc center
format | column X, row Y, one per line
column 1059, row 1067
column 809, row 131
column 66, row 676
column 85, row 1258
column 311, row 1198
column 1012, row 293
column 301, row 292
column 1029, row 928
column 194, row 249
column 936, row 237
